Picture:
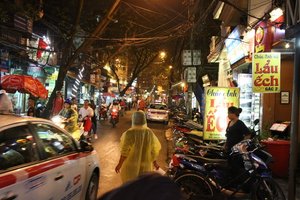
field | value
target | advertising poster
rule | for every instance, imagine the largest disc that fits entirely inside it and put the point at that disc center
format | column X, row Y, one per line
column 266, row 73
column 217, row 101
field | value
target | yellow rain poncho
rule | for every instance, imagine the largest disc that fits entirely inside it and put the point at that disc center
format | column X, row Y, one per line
column 140, row 146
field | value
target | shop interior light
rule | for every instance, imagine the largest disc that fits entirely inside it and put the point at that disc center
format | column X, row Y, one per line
column 277, row 12
column 287, row 45
column 73, row 95
column 74, row 89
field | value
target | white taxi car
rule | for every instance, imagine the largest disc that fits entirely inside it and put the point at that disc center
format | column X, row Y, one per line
column 157, row 112
column 39, row 160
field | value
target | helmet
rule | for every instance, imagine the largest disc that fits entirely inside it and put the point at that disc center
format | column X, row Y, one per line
column 68, row 101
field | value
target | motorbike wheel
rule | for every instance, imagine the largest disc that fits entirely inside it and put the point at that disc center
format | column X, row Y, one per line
column 267, row 189
column 113, row 121
column 194, row 186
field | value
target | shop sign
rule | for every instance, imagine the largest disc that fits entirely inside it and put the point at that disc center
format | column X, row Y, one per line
column 191, row 57
column 36, row 71
column 191, row 75
column 217, row 101
column 266, row 73
column 263, row 37
column 236, row 49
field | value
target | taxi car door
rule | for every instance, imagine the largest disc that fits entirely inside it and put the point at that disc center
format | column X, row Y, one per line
column 18, row 157
column 60, row 149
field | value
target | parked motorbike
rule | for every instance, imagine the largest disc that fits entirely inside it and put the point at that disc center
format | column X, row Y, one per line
column 114, row 117
column 197, row 117
column 243, row 175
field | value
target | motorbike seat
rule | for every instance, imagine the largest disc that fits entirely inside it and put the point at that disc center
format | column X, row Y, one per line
column 217, row 165
column 196, row 138
column 208, row 160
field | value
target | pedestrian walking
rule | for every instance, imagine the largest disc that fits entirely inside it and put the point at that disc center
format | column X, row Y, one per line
column 58, row 103
column 139, row 149
column 94, row 119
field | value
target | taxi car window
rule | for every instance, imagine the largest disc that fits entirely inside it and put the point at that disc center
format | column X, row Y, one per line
column 17, row 147
column 54, row 141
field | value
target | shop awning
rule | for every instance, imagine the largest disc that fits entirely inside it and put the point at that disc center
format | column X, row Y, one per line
column 24, row 84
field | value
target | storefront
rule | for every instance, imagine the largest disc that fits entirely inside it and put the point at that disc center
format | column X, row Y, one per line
column 235, row 70
column 269, row 37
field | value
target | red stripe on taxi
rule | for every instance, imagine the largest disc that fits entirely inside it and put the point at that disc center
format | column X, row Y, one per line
column 32, row 171
column 38, row 169
column 7, row 180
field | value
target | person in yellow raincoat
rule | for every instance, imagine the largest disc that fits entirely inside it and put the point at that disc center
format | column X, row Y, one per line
column 139, row 149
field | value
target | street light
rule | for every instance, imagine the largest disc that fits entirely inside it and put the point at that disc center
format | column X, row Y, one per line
column 170, row 66
column 162, row 54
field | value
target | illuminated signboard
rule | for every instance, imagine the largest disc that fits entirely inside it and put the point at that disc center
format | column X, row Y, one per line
column 266, row 73
column 217, row 101
column 236, row 49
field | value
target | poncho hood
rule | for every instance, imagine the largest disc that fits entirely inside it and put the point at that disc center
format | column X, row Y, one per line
column 139, row 119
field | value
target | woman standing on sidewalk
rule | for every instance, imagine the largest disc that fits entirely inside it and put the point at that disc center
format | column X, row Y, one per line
column 139, row 149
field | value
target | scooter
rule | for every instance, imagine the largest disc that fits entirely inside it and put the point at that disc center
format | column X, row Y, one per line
column 61, row 122
column 114, row 117
column 103, row 113
column 85, row 126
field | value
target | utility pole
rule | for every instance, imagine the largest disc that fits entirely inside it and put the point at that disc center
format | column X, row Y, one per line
column 191, row 19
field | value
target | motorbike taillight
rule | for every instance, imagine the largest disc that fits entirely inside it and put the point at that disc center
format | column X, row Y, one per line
column 176, row 161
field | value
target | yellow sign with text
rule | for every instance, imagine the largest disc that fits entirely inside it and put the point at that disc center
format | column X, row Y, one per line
column 266, row 73
column 217, row 101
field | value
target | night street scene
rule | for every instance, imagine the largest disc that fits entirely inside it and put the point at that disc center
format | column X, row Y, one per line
column 149, row 99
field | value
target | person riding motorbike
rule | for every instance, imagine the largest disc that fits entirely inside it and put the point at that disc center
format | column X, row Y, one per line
column 85, row 115
column 114, row 110
column 115, row 105
column 103, row 112
column 70, row 118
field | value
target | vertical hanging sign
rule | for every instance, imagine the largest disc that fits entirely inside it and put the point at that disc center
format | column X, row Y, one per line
column 266, row 72
column 217, row 101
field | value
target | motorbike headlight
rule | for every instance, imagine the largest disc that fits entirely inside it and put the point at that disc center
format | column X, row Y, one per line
column 56, row 119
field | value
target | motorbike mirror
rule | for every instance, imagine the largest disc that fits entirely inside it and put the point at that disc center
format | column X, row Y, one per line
column 256, row 122
column 86, row 146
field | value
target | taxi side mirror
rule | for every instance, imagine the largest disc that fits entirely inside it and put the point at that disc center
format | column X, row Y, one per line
column 86, row 146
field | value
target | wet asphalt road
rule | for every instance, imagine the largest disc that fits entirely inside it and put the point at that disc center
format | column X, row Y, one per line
column 107, row 146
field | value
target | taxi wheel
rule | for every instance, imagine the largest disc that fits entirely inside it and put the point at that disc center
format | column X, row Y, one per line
column 91, row 192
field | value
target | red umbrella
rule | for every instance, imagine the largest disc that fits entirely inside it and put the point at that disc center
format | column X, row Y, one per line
column 24, row 84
